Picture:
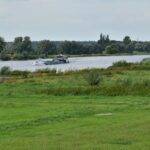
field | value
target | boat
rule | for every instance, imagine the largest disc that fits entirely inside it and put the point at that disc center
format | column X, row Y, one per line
column 60, row 59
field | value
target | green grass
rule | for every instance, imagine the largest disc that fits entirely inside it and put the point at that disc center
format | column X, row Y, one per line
column 114, row 83
column 80, row 117
column 71, row 123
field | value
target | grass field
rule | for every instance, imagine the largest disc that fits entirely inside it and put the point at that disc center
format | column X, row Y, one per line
column 53, row 112
column 74, row 123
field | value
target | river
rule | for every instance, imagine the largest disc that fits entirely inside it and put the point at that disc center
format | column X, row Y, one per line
column 76, row 63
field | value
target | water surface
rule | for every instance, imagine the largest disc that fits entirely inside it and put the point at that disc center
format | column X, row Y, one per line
column 76, row 63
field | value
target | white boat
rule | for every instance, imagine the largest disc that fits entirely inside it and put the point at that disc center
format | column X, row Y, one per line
column 60, row 59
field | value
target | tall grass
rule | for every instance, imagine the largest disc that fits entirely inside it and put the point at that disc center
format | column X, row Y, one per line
column 119, row 87
column 5, row 71
column 145, row 61
column 122, row 63
column 93, row 78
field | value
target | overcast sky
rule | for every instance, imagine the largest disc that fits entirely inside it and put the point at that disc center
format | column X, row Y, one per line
column 75, row 19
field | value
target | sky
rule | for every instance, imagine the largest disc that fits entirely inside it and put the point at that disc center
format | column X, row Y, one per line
column 75, row 19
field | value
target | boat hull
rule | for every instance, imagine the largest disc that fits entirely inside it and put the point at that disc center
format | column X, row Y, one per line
column 54, row 62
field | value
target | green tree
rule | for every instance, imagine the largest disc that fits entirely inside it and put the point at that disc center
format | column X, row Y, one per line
column 18, row 45
column 72, row 47
column 127, row 40
column 27, row 45
column 66, row 47
column 111, row 49
column 45, row 47
column 2, row 44
column 139, row 46
column 104, row 39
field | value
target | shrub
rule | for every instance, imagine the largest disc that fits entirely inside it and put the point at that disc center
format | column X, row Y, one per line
column 5, row 70
column 46, row 70
column 142, row 84
column 93, row 78
column 23, row 74
column 24, row 56
column 124, row 82
column 5, row 57
column 16, row 73
column 145, row 61
column 111, row 49
column 122, row 63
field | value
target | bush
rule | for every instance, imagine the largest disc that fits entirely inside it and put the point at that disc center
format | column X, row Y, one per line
column 23, row 74
column 24, row 56
column 124, row 82
column 5, row 70
column 5, row 57
column 93, row 78
column 145, row 61
column 16, row 73
column 47, row 70
column 111, row 49
column 122, row 63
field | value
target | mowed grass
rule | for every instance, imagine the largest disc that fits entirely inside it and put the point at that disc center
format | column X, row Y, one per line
column 74, row 123
column 33, row 119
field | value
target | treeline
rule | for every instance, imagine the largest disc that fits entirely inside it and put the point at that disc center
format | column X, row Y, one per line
column 23, row 48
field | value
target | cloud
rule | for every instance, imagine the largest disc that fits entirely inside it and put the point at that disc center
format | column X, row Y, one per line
column 74, row 19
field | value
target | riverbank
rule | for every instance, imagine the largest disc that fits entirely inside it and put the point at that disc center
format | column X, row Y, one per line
column 122, row 78
column 122, row 54
column 33, row 57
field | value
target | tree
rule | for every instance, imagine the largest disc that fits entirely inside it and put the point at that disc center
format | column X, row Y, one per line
column 127, row 40
column 139, row 46
column 22, row 45
column 8, row 48
column 130, row 47
column 107, row 40
column 146, row 46
column 18, row 45
column 72, row 47
column 27, row 45
column 2, row 44
column 104, row 39
column 103, row 42
column 111, row 49
column 66, row 47
column 76, row 48
column 45, row 47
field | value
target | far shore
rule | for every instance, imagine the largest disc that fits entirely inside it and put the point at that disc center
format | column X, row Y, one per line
column 71, row 56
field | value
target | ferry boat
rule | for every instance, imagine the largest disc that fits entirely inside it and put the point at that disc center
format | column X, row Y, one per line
column 60, row 59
